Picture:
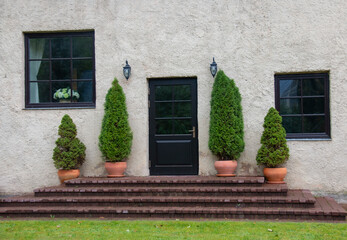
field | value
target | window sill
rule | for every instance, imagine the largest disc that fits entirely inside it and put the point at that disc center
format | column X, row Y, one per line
column 309, row 139
column 59, row 108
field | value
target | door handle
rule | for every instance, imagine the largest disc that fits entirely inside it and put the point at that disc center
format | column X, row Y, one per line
column 193, row 132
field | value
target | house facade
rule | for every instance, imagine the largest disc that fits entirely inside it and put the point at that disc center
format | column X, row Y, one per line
column 288, row 54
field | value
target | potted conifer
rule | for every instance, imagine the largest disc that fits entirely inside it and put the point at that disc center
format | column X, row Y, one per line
column 116, row 137
column 69, row 153
column 226, row 125
column 273, row 151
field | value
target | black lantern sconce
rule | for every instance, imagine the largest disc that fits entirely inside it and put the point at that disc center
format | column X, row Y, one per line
column 126, row 70
column 213, row 68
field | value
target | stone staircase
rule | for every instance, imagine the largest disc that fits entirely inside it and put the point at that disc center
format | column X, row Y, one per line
column 174, row 197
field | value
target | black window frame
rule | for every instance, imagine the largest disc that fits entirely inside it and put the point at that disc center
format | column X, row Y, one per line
column 28, row 105
column 326, row 114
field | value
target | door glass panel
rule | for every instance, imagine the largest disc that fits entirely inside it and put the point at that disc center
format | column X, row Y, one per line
column 182, row 92
column 163, row 109
column 290, row 88
column 163, row 126
column 313, row 105
column 183, row 109
column 182, row 126
column 290, row 106
column 163, row 93
column 312, row 87
column 314, row 124
column 292, row 124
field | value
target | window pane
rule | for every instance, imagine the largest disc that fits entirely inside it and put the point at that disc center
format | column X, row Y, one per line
column 183, row 109
column 39, row 92
column 61, row 69
column 292, row 124
column 163, row 93
column 60, row 47
column 38, row 48
column 290, row 106
column 82, row 47
column 182, row 126
column 60, row 91
column 313, row 105
column 163, row 109
column 82, row 69
column 312, row 87
column 39, row 70
column 314, row 124
column 84, row 90
column 182, row 92
column 163, row 126
column 290, row 88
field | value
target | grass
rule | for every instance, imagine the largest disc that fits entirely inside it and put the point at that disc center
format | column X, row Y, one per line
column 105, row 229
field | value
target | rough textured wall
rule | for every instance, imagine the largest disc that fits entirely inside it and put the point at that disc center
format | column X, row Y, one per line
column 251, row 40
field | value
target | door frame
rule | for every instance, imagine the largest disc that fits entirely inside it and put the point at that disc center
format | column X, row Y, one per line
column 173, row 169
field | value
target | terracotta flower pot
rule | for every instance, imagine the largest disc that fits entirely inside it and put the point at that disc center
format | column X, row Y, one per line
column 115, row 169
column 225, row 168
column 68, row 174
column 275, row 175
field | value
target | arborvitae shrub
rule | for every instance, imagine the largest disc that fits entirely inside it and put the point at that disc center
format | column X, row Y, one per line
column 116, row 137
column 69, row 152
column 226, row 121
column 274, row 150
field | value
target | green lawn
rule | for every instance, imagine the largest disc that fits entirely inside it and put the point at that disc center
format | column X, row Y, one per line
column 106, row 229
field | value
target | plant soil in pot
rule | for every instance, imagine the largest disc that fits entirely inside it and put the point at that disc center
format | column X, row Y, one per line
column 115, row 169
column 225, row 168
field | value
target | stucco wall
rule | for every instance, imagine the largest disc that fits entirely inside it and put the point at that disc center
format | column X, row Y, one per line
column 251, row 40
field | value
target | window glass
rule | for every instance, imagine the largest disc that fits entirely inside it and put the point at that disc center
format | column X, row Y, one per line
column 290, row 88
column 61, row 69
column 292, row 124
column 60, row 48
column 182, row 92
column 39, row 70
column 163, row 109
column 314, row 124
column 290, row 106
column 39, row 92
column 82, row 69
column 84, row 90
column 313, row 87
column 81, row 47
column 38, row 48
column 182, row 109
column 164, row 126
column 313, row 105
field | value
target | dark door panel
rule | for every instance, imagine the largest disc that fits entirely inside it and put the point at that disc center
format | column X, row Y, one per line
column 173, row 126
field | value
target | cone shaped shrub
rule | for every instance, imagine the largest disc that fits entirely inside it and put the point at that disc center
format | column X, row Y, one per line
column 226, row 121
column 69, row 152
column 274, row 150
column 116, row 137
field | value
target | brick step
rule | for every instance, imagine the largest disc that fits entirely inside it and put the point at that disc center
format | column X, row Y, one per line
column 325, row 209
column 166, row 181
column 264, row 190
column 294, row 198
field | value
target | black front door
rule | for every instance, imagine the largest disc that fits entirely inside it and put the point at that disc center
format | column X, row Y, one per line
column 173, row 129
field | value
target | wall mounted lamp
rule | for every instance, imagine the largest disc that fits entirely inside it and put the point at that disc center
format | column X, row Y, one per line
column 213, row 68
column 126, row 70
